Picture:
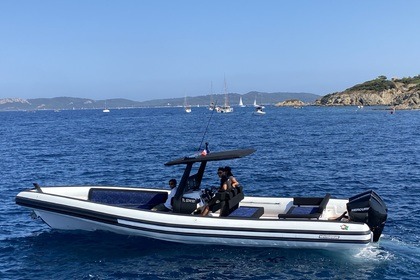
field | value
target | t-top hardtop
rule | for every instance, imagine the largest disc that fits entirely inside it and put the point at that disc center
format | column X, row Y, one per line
column 213, row 156
column 190, row 182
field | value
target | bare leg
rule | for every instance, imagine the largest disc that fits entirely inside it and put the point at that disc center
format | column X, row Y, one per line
column 205, row 211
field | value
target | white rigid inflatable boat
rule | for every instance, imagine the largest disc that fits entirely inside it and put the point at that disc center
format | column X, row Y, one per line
column 236, row 220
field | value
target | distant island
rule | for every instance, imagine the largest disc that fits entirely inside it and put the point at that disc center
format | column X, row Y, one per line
column 396, row 93
column 69, row 103
column 291, row 103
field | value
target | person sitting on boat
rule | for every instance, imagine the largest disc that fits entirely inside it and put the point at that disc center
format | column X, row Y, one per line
column 223, row 187
column 167, row 205
column 232, row 182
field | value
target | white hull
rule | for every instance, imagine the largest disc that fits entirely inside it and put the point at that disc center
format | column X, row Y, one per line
column 259, row 113
column 224, row 109
column 68, row 208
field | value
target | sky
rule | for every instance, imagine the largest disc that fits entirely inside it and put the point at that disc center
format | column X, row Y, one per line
column 155, row 49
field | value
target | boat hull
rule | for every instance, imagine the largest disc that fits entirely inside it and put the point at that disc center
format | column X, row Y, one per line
column 69, row 213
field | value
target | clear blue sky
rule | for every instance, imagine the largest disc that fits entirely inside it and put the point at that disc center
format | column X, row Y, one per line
column 144, row 50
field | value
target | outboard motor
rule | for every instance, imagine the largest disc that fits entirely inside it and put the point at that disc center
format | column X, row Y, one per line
column 368, row 208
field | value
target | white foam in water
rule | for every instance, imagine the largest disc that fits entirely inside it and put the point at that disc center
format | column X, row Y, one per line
column 374, row 253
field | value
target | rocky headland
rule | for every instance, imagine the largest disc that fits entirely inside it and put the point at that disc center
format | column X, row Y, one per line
column 396, row 93
column 291, row 103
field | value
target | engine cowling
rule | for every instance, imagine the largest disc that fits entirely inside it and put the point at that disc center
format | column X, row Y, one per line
column 368, row 207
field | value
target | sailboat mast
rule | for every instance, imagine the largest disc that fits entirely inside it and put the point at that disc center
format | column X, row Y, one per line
column 226, row 94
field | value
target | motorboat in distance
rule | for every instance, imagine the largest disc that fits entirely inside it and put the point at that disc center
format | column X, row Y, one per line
column 236, row 219
column 259, row 111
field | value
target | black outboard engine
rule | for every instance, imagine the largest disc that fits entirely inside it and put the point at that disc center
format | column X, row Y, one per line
column 368, row 208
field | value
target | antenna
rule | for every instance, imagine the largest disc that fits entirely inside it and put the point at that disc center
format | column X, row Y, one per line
column 205, row 131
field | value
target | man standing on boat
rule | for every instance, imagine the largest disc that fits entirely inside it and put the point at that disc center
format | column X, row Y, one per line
column 167, row 206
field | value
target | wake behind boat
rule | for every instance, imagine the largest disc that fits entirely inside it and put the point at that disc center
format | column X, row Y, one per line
column 237, row 220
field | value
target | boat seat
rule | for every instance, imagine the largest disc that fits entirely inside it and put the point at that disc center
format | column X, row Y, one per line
column 306, row 207
column 228, row 201
column 247, row 212
column 127, row 198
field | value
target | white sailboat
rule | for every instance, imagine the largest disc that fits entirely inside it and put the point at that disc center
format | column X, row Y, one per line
column 241, row 104
column 226, row 108
column 105, row 110
column 187, row 107
column 256, row 104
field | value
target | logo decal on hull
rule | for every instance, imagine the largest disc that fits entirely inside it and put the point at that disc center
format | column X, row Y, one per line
column 344, row 227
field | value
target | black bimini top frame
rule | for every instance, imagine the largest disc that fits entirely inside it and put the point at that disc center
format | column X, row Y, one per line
column 214, row 156
column 192, row 182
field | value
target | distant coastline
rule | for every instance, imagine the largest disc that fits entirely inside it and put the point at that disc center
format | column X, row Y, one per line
column 69, row 103
column 401, row 94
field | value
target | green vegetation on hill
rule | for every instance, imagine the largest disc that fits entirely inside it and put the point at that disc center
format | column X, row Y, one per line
column 379, row 84
column 409, row 80
column 414, row 81
column 382, row 83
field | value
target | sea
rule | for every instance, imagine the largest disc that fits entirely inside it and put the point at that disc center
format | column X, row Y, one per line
column 309, row 151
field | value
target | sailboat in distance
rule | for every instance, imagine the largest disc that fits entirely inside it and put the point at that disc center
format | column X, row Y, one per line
column 225, row 108
column 105, row 110
column 241, row 104
column 256, row 104
column 212, row 104
column 187, row 107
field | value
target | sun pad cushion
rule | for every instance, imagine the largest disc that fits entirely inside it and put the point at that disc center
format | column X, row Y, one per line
column 312, row 209
column 303, row 210
column 248, row 212
column 127, row 198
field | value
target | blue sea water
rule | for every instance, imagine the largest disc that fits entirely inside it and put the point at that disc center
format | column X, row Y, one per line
column 310, row 151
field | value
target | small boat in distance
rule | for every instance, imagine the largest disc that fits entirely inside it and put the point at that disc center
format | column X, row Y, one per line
column 241, row 104
column 212, row 106
column 259, row 111
column 321, row 222
column 225, row 108
column 105, row 110
column 256, row 105
column 187, row 107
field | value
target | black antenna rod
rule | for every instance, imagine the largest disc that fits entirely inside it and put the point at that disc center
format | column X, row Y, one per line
column 208, row 123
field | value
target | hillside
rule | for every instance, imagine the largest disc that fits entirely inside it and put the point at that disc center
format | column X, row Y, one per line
column 399, row 93
column 68, row 103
